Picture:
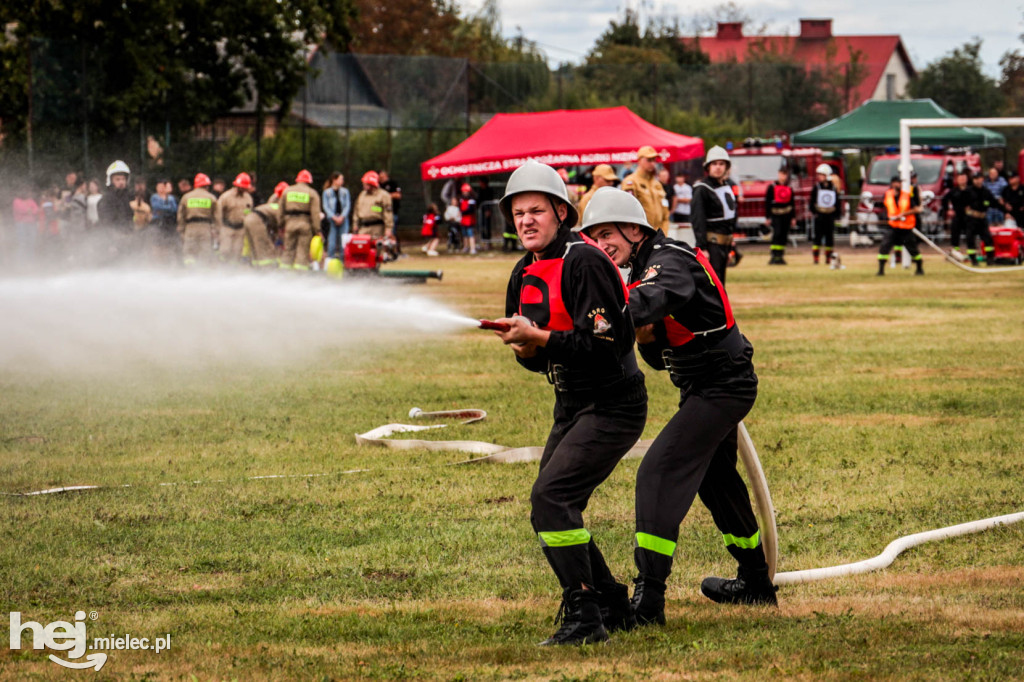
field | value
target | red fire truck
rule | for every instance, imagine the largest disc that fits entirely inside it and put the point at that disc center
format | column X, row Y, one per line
column 756, row 165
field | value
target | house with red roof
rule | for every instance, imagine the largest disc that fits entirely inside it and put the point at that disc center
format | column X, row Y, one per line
column 878, row 65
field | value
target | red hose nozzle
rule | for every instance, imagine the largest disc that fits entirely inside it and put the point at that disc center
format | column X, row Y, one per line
column 496, row 326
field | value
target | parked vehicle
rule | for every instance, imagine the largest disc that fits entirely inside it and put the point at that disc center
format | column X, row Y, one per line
column 756, row 165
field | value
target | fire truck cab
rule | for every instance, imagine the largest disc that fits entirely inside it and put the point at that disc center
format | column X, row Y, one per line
column 756, row 165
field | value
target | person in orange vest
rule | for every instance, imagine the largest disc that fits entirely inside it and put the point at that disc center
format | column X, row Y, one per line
column 901, row 207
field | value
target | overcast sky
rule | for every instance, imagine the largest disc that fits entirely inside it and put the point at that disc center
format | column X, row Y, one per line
column 566, row 31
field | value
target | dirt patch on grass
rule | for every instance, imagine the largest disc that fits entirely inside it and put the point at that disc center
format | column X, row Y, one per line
column 925, row 598
column 207, row 582
column 885, row 419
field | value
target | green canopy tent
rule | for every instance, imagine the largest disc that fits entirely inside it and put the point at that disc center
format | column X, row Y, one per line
column 877, row 124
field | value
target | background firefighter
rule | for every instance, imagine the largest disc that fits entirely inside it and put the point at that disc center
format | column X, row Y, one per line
column 566, row 307
column 372, row 212
column 299, row 217
column 260, row 224
column 232, row 207
column 979, row 203
column 824, row 203
column 196, row 222
column 956, row 201
column 780, row 214
column 902, row 215
column 685, row 325
column 713, row 211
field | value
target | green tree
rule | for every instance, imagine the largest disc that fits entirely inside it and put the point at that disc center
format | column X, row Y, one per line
column 957, row 83
column 176, row 61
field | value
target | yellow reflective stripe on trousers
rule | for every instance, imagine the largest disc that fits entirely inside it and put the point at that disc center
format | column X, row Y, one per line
column 655, row 544
column 564, row 538
column 743, row 543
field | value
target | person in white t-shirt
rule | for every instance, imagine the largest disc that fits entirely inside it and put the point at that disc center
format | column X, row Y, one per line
column 682, row 195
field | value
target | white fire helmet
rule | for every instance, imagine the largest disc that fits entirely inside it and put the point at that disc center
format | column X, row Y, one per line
column 824, row 169
column 115, row 168
column 611, row 205
column 716, row 153
column 534, row 176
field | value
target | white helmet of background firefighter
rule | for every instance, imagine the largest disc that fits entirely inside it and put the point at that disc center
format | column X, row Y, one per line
column 824, row 169
column 534, row 176
column 716, row 153
column 118, row 167
column 612, row 205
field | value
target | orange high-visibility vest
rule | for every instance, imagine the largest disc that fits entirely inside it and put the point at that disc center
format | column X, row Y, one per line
column 906, row 222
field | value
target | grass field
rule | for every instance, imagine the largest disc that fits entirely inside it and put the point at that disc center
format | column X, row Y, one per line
column 887, row 407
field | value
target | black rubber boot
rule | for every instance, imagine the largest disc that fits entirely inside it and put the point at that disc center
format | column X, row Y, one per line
column 920, row 268
column 648, row 603
column 616, row 613
column 881, row 267
column 746, row 588
column 580, row 617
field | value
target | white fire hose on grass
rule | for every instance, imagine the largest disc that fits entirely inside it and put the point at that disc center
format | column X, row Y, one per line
column 491, row 452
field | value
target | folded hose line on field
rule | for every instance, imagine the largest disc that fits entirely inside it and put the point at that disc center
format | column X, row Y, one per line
column 747, row 454
column 491, row 453
column 968, row 268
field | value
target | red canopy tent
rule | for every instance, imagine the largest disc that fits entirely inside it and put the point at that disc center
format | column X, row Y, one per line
column 559, row 138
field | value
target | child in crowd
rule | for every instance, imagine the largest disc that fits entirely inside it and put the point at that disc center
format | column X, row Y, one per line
column 453, row 219
column 467, row 206
column 431, row 220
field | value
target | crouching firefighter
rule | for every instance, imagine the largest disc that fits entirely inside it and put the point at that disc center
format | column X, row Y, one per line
column 685, row 325
column 260, row 224
column 566, row 307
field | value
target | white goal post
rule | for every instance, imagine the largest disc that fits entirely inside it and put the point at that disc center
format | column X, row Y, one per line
column 907, row 123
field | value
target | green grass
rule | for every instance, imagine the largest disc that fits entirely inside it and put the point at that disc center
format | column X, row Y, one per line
column 887, row 407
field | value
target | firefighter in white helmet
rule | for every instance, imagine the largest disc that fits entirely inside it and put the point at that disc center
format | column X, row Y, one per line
column 824, row 203
column 713, row 210
column 685, row 324
column 114, row 209
column 566, row 307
